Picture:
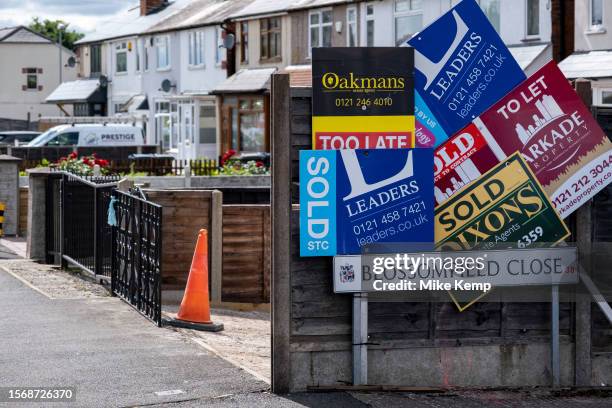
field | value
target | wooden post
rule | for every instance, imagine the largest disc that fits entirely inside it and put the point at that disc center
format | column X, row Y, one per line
column 216, row 245
column 583, row 301
column 281, row 232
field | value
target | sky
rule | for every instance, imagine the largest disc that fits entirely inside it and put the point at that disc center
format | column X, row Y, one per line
column 82, row 15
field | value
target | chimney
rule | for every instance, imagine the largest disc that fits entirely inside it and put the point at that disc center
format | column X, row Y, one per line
column 149, row 6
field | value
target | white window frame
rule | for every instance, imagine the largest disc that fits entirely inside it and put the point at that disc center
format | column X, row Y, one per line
column 218, row 43
column 368, row 18
column 146, row 54
column 527, row 35
column 120, row 48
column 348, row 27
column 320, row 27
column 138, row 42
column 597, row 27
column 496, row 28
column 598, row 96
column 411, row 12
column 166, row 39
column 195, row 47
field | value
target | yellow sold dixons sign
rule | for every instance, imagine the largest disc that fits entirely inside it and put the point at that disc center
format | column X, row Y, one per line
column 363, row 98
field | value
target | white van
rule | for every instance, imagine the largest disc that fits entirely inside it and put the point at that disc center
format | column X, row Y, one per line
column 91, row 135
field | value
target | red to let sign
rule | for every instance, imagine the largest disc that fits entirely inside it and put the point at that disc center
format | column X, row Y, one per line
column 546, row 121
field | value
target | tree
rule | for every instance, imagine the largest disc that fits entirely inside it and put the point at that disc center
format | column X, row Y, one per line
column 50, row 29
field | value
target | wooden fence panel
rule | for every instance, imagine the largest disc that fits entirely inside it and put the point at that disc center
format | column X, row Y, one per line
column 319, row 321
column 184, row 213
column 246, row 249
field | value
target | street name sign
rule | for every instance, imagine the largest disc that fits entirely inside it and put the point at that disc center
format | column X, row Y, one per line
column 501, row 268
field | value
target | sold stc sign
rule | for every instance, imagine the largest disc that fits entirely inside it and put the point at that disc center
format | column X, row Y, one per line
column 348, row 200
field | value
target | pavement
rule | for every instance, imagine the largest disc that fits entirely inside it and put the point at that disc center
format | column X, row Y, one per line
column 58, row 329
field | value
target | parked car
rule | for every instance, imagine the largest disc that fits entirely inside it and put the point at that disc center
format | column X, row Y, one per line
column 91, row 135
column 21, row 136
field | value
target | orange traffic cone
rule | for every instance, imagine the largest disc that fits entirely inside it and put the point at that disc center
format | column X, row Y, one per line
column 194, row 312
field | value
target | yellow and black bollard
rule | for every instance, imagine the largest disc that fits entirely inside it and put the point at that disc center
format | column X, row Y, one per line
column 2, row 207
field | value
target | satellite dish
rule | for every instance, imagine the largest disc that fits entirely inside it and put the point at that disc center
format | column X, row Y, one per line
column 71, row 62
column 103, row 81
column 166, row 85
column 229, row 41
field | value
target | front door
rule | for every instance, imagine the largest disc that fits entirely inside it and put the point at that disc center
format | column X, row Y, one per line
column 186, row 145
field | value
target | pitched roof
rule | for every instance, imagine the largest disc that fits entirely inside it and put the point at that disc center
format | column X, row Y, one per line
column 22, row 34
column 74, row 91
column 263, row 7
column 246, row 81
column 200, row 13
column 526, row 54
column 132, row 23
column 593, row 64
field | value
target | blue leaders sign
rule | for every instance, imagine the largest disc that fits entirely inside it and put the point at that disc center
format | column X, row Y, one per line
column 462, row 66
column 352, row 198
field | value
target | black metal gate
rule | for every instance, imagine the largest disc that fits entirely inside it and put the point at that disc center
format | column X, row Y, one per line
column 53, row 210
column 86, row 235
column 136, row 260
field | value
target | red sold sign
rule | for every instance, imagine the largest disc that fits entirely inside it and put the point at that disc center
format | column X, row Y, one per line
column 460, row 160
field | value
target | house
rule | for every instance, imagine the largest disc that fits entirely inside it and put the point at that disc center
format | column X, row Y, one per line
column 185, row 118
column 32, row 67
column 524, row 25
column 592, row 58
column 117, row 60
column 158, row 64
column 272, row 36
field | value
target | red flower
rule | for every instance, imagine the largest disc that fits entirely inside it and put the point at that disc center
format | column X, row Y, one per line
column 72, row 155
column 226, row 156
column 103, row 162
column 259, row 164
column 86, row 160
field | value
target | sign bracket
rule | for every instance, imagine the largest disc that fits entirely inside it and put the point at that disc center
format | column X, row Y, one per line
column 554, row 337
column 360, row 339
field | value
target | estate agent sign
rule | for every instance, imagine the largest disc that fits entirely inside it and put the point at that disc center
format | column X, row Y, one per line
column 350, row 198
column 462, row 67
column 545, row 120
column 505, row 205
column 363, row 98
